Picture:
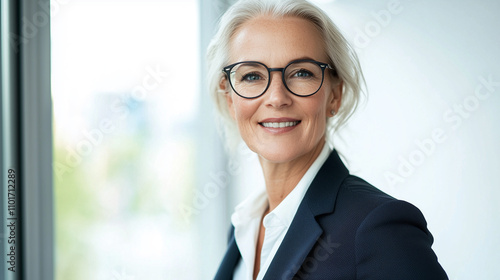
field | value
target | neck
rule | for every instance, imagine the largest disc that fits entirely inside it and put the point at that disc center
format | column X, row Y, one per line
column 281, row 178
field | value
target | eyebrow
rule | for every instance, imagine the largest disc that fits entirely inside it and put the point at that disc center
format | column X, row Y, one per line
column 302, row 57
column 288, row 62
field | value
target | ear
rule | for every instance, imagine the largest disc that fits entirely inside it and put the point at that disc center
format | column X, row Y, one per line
column 224, row 89
column 335, row 99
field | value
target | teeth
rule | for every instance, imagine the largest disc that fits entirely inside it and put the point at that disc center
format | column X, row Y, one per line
column 279, row 124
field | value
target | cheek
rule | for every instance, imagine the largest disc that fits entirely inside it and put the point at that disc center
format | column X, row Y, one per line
column 317, row 112
column 319, row 108
column 243, row 111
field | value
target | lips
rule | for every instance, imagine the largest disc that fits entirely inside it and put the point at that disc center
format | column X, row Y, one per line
column 279, row 123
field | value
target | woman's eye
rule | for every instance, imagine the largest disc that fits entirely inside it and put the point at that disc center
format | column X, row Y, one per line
column 303, row 73
column 251, row 77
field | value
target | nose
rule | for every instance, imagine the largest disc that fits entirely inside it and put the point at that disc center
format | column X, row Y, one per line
column 277, row 94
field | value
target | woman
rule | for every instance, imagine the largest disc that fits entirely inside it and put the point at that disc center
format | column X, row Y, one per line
column 284, row 77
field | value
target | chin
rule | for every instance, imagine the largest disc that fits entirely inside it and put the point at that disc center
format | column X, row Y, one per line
column 278, row 153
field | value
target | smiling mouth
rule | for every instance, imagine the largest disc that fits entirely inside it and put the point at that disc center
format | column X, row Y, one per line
column 279, row 124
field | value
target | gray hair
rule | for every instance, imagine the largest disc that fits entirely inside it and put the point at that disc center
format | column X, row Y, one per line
column 340, row 53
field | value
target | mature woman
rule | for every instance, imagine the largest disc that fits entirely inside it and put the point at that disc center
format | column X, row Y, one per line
column 284, row 77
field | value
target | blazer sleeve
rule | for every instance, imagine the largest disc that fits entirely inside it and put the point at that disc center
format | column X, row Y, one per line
column 393, row 242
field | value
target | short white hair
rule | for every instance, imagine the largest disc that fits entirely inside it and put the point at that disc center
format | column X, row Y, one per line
column 340, row 54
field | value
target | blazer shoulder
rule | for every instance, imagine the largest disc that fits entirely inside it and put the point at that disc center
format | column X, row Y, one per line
column 369, row 205
column 393, row 242
column 357, row 190
column 391, row 239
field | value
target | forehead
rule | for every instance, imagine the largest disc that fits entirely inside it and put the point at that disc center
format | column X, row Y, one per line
column 276, row 41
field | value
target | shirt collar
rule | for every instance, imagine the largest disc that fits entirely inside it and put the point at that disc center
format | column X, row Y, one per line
column 251, row 208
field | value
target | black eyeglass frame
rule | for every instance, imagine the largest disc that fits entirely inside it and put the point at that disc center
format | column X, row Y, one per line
column 323, row 66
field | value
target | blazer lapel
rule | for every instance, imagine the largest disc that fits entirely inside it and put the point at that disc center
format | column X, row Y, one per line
column 231, row 258
column 304, row 230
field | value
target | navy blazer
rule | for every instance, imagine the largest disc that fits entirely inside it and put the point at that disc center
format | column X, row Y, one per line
column 345, row 228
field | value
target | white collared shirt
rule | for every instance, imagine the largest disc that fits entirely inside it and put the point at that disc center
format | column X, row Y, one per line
column 247, row 216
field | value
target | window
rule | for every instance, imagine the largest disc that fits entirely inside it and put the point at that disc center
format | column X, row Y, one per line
column 125, row 88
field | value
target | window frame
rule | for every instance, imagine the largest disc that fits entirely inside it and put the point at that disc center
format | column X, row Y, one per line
column 27, row 136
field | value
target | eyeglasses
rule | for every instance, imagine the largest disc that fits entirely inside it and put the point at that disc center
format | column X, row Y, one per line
column 251, row 79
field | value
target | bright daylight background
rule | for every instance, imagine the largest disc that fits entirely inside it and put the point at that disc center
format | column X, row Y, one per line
column 125, row 89
column 139, row 195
